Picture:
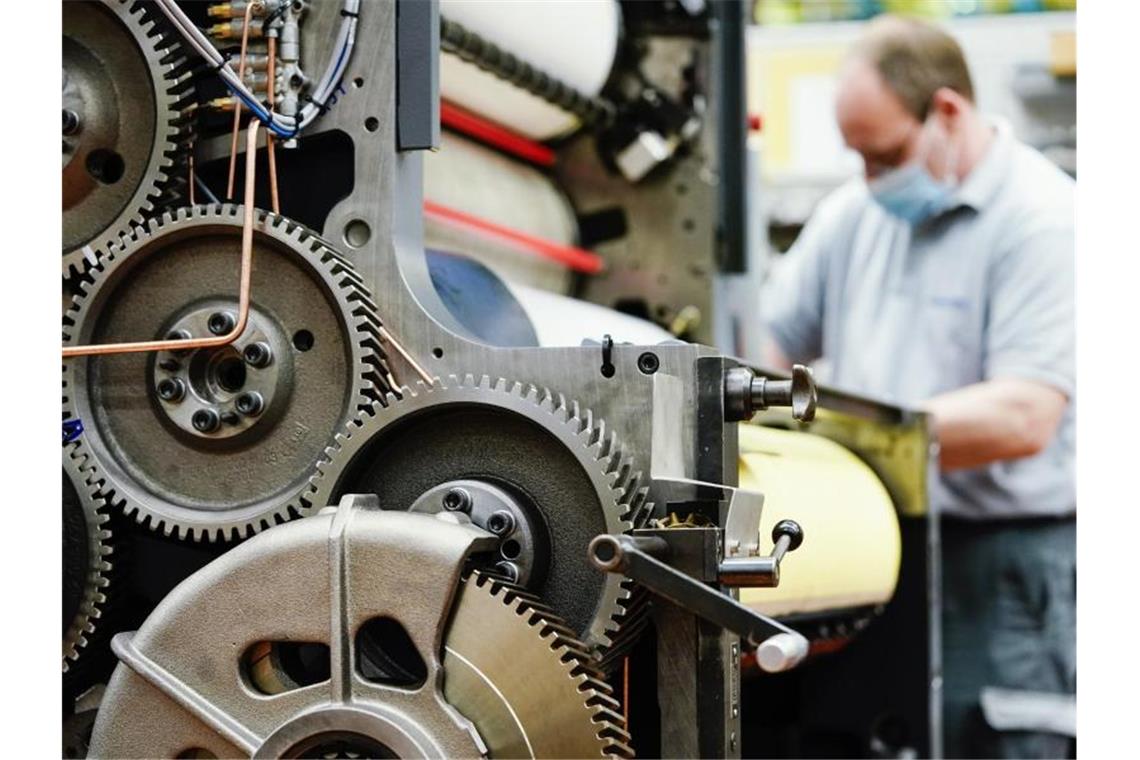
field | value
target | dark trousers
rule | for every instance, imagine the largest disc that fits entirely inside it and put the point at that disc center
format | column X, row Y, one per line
column 1009, row 621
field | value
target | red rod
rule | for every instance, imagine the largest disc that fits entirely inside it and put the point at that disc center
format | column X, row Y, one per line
column 456, row 118
column 577, row 259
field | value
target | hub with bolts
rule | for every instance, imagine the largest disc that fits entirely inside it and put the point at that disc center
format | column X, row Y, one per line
column 523, row 543
column 216, row 393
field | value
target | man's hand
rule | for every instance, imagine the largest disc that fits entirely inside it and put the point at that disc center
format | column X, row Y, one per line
column 1003, row 418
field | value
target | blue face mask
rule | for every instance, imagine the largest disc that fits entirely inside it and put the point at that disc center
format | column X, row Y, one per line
column 911, row 193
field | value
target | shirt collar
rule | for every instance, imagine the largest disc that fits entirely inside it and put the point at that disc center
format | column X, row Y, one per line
column 987, row 176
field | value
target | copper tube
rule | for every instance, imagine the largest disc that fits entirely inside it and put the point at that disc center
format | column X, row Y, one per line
column 271, row 75
column 625, row 691
column 237, row 101
column 387, row 337
column 243, row 292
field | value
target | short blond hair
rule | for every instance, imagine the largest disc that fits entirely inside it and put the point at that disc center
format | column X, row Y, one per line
column 915, row 59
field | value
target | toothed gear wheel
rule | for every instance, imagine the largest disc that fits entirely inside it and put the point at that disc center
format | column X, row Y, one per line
column 308, row 361
column 569, row 473
column 538, row 715
column 86, row 556
column 126, row 95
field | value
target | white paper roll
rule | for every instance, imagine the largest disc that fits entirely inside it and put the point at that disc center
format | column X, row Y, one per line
column 466, row 176
column 573, row 40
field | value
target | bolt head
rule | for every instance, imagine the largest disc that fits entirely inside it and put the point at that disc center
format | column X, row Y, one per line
column 457, row 500
column 250, row 404
column 171, row 389
column 205, row 420
column 221, row 322
column 501, row 522
column 648, row 363
column 257, row 354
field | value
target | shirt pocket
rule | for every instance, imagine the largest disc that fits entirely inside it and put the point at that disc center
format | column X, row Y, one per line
column 951, row 334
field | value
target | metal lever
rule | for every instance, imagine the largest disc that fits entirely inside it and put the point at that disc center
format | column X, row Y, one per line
column 763, row 571
column 745, row 394
column 777, row 646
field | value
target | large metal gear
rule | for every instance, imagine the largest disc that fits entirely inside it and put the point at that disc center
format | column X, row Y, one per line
column 308, row 362
column 126, row 95
column 86, row 555
column 568, row 475
column 560, row 707
column 215, row 668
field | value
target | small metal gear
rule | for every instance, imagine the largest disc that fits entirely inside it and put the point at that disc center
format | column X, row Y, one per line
column 319, row 365
column 561, row 708
column 126, row 100
column 555, row 455
column 86, row 555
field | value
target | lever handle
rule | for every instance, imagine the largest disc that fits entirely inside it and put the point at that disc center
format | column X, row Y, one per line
column 632, row 556
column 763, row 572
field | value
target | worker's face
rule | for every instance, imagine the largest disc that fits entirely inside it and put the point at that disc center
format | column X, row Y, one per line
column 875, row 124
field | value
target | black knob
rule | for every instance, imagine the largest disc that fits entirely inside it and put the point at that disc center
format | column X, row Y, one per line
column 792, row 530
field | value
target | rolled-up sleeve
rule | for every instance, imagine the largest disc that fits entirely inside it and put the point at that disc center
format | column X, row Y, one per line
column 792, row 300
column 1031, row 324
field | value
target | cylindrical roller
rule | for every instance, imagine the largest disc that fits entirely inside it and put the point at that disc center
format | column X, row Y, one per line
column 466, row 176
column 574, row 41
column 850, row 558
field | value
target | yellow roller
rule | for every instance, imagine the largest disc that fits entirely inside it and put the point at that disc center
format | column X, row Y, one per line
column 851, row 550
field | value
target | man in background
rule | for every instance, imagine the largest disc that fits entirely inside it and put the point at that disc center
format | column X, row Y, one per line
column 943, row 279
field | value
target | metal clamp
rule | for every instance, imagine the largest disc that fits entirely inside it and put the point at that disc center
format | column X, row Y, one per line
column 777, row 646
column 745, row 393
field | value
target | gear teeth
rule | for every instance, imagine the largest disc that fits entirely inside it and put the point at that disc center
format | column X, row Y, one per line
column 85, row 479
column 370, row 389
column 163, row 184
column 572, row 654
column 623, row 498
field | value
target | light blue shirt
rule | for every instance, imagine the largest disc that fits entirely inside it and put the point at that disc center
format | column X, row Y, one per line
column 984, row 290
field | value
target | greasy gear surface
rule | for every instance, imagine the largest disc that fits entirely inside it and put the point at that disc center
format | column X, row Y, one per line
column 196, row 487
column 126, row 77
column 567, row 469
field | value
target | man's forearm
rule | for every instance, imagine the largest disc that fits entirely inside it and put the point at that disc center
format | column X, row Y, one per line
column 994, row 421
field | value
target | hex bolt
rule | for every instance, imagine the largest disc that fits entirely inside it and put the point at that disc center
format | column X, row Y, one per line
column 501, row 522
column 257, row 354
column 221, row 322
column 509, row 570
column 457, row 500
column 70, row 122
column 250, row 403
column 205, row 420
column 171, row 389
